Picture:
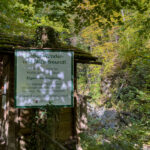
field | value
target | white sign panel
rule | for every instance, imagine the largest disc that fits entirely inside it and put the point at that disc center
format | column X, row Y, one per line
column 43, row 76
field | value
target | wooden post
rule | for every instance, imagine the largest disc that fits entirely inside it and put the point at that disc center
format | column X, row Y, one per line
column 76, row 110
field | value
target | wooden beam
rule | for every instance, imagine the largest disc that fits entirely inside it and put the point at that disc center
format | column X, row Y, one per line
column 89, row 62
column 52, row 140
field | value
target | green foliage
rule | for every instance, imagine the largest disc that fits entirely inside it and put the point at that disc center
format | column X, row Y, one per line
column 125, row 52
column 89, row 81
column 50, row 110
column 124, row 138
column 22, row 16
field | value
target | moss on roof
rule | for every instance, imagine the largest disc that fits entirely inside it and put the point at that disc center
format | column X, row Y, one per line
column 9, row 43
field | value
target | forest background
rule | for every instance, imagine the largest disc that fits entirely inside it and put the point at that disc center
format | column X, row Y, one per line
column 118, row 33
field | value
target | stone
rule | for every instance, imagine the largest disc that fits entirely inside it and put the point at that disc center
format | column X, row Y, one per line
column 107, row 118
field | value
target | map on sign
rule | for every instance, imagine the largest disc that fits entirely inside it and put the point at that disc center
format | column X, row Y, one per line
column 43, row 76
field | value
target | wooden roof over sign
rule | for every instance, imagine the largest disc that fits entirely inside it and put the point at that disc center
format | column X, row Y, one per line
column 9, row 43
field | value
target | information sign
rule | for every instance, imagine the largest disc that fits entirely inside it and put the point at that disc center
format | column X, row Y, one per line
column 43, row 76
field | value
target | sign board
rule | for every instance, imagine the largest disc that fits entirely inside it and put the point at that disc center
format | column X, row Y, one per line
column 43, row 76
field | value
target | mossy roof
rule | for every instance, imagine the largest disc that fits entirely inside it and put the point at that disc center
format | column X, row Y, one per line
column 9, row 43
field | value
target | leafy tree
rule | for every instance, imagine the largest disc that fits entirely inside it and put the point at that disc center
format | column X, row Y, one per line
column 79, row 13
column 125, row 53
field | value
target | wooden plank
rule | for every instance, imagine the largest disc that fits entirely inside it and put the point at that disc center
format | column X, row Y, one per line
column 52, row 140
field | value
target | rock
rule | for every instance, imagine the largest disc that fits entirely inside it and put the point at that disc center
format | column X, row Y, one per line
column 109, row 119
column 106, row 118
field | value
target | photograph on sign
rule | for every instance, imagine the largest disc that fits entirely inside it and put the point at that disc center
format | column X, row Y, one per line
column 42, row 77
